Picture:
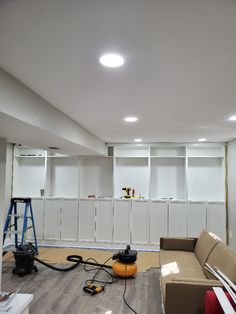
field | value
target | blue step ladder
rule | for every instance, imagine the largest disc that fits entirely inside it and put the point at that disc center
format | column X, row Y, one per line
column 28, row 214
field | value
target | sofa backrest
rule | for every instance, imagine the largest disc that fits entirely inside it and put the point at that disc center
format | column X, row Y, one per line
column 205, row 244
column 224, row 259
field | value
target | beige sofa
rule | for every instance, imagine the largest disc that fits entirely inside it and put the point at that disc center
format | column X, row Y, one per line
column 184, row 280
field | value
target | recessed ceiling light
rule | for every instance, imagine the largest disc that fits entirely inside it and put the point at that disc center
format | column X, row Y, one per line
column 233, row 118
column 202, row 140
column 131, row 119
column 138, row 140
column 112, row 60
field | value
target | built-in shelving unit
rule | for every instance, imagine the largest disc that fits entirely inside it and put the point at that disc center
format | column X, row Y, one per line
column 185, row 172
column 182, row 189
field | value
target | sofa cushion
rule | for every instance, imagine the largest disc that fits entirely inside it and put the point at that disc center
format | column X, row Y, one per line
column 224, row 259
column 205, row 244
column 173, row 271
column 181, row 264
column 180, row 258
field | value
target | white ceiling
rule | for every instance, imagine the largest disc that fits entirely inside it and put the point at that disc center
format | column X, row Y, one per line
column 179, row 77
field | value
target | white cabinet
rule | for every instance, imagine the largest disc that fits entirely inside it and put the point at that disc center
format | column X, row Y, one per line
column 69, row 219
column 216, row 219
column 87, row 220
column 52, row 218
column 122, row 210
column 178, row 219
column 104, row 220
column 38, row 213
column 158, row 220
column 196, row 218
column 140, row 222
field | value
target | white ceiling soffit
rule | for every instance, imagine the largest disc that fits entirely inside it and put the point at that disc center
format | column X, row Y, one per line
column 23, row 108
column 17, row 131
column 179, row 72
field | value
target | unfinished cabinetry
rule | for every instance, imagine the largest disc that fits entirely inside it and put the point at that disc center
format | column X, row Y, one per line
column 86, row 220
column 122, row 209
column 104, row 220
column 52, row 219
column 140, row 222
column 158, row 220
column 178, row 219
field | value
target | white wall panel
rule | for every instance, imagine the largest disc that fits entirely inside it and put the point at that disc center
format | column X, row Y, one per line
column 122, row 210
column 104, row 220
column 87, row 219
column 231, row 193
column 196, row 218
column 134, row 173
column 64, row 179
column 38, row 212
column 216, row 219
column 69, row 219
column 140, row 221
column 178, row 219
column 52, row 218
column 158, row 221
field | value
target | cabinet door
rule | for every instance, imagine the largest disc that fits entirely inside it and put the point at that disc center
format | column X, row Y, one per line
column 87, row 220
column 122, row 221
column 104, row 220
column 52, row 219
column 216, row 220
column 178, row 219
column 38, row 213
column 69, row 219
column 140, row 222
column 196, row 218
column 158, row 221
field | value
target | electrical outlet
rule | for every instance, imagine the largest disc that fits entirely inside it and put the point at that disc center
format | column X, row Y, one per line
column 230, row 234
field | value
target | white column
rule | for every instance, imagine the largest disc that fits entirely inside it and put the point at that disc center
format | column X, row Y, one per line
column 3, row 154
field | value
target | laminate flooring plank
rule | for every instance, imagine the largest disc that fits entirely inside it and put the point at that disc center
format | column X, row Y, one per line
column 62, row 292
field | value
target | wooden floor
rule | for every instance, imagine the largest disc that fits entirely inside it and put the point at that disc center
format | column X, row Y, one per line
column 62, row 292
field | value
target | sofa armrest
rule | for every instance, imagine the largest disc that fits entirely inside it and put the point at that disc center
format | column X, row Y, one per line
column 178, row 244
column 187, row 295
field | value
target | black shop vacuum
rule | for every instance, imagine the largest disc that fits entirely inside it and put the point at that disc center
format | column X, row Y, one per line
column 24, row 259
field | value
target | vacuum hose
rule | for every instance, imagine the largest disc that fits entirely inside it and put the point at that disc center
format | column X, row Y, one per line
column 77, row 259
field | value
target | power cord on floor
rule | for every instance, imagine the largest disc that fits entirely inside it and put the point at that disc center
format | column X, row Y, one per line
column 99, row 268
column 125, row 292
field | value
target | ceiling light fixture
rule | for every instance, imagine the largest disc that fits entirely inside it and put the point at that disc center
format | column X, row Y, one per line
column 131, row 119
column 202, row 140
column 138, row 140
column 112, row 60
column 233, row 118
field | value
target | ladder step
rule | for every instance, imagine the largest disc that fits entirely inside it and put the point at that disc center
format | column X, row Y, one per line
column 17, row 232
column 12, row 232
column 19, row 216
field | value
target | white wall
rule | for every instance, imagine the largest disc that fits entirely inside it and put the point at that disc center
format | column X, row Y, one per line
column 3, row 154
column 8, row 186
column 232, row 193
